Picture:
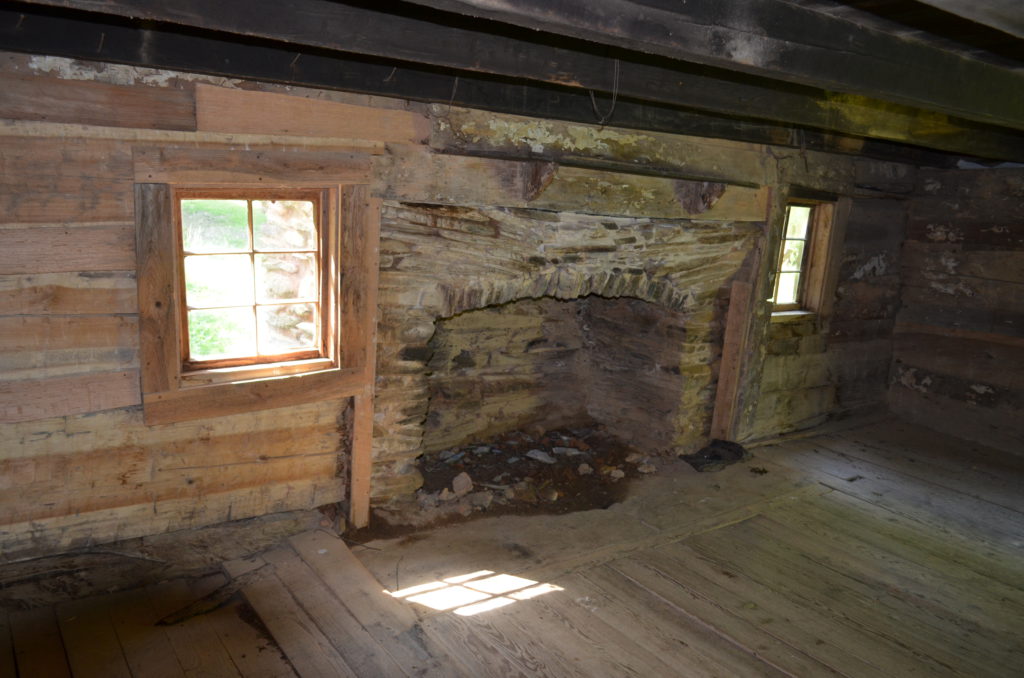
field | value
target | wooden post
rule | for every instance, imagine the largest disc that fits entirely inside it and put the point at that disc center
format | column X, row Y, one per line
column 366, row 309
column 362, row 459
column 723, row 422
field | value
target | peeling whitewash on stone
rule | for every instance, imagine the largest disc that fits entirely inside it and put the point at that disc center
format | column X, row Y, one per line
column 875, row 266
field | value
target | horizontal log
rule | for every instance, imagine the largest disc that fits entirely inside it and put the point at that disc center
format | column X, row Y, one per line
column 60, row 396
column 63, row 533
column 423, row 37
column 99, row 292
column 419, row 176
column 777, row 40
column 33, row 97
column 204, row 402
column 53, row 181
column 71, row 248
column 124, row 428
column 206, row 166
column 45, row 333
column 78, row 489
column 220, row 109
column 972, row 359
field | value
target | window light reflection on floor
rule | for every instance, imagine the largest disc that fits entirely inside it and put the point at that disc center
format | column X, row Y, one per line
column 473, row 593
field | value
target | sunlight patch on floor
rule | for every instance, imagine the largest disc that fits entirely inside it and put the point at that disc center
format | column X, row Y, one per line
column 473, row 593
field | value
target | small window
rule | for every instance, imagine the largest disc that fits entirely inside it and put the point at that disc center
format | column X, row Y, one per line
column 253, row 298
column 250, row 269
column 801, row 268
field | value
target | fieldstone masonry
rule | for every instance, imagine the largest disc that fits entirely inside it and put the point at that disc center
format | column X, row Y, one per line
column 441, row 261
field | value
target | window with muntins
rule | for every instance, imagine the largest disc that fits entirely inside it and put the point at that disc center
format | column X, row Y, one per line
column 804, row 257
column 251, row 276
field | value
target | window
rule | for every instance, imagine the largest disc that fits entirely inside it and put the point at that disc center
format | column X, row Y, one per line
column 252, row 297
column 804, row 260
column 250, row 269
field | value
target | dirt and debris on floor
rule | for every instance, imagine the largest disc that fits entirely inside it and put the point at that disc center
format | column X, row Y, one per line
column 519, row 473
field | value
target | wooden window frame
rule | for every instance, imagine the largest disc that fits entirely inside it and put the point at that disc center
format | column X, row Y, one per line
column 171, row 392
column 324, row 356
column 820, row 266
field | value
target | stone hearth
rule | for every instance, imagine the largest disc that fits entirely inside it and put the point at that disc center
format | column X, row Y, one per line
column 494, row 319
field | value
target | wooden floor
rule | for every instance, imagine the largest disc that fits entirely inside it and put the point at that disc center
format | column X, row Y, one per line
column 885, row 550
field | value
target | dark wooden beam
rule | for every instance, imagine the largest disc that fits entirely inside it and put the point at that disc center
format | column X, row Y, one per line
column 1003, row 15
column 423, row 37
column 779, row 40
column 121, row 41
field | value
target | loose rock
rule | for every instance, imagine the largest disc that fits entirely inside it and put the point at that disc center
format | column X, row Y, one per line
column 541, row 456
column 617, row 474
column 646, row 468
column 462, row 484
column 584, row 469
column 481, row 499
column 567, row 451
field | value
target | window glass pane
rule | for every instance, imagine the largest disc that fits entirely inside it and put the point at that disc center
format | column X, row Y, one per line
column 796, row 224
column 793, row 255
column 215, row 225
column 280, row 277
column 221, row 333
column 789, row 284
column 283, row 225
column 218, row 280
column 286, row 327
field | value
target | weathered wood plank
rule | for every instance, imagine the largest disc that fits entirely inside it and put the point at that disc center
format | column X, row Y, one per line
column 53, row 333
column 68, row 293
column 147, row 649
column 361, row 652
column 204, row 402
column 72, row 248
column 64, row 180
column 305, row 645
column 435, row 39
column 777, row 40
column 837, row 595
column 233, row 165
column 390, row 623
column 66, row 532
column 33, row 97
column 60, row 396
column 420, row 176
column 159, row 341
column 220, row 109
column 38, row 649
column 7, row 664
column 794, row 650
column 197, row 647
column 252, row 651
column 90, row 641
column 723, row 424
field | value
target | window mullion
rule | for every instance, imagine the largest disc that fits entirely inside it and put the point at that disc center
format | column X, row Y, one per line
column 252, row 261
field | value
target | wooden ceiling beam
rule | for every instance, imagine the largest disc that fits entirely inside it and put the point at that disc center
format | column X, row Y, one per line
column 779, row 40
column 424, row 38
column 1003, row 15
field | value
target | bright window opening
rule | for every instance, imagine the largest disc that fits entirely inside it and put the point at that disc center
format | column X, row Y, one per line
column 251, row 272
column 792, row 263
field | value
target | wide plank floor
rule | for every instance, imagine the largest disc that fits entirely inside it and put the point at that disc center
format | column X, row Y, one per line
column 883, row 550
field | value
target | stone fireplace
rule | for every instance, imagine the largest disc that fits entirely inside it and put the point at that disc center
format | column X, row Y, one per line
column 493, row 319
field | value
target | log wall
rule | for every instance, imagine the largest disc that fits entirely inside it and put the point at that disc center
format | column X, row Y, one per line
column 818, row 367
column 959, row 339
column 78, row 466
column 479, row 209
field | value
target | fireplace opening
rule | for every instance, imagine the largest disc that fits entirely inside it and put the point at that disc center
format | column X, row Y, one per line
column 549, row 405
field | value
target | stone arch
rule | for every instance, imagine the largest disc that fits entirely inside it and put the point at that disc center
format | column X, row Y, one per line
column 438, row 262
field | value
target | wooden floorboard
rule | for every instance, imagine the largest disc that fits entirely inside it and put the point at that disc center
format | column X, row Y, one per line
column 880, row 551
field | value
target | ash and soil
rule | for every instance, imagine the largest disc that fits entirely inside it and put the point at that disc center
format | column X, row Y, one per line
column 516, row 473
